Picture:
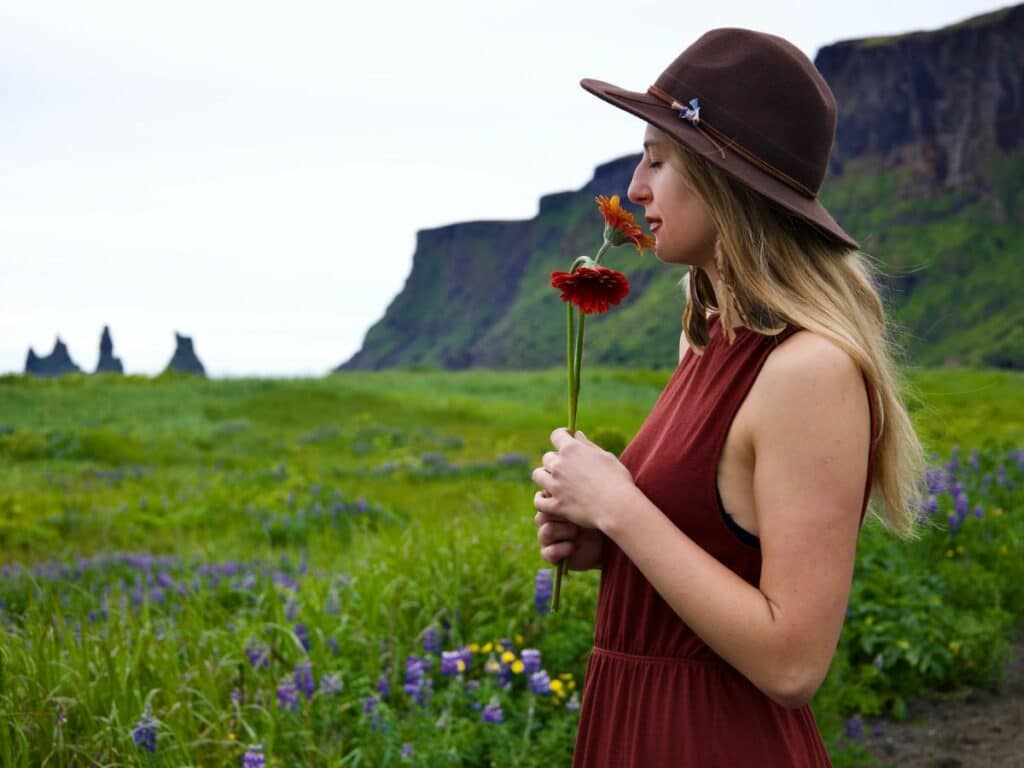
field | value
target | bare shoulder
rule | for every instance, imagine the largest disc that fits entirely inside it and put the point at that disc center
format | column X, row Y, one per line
column 809, row 377
column 808, row 363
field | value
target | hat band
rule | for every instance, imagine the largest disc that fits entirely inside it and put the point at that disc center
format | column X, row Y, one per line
column 693, row 116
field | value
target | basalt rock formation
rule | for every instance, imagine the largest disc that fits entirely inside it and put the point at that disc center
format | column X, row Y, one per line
column 184, row 359
column 107, row 362
column 57, row 363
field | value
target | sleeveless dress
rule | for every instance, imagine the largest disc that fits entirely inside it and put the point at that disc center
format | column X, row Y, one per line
column 654, row 694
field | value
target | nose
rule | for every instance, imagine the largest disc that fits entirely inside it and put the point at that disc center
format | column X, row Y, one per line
column 639, row 191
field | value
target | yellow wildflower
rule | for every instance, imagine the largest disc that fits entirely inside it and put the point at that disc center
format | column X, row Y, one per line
column 487, row 648
column 558, row 687
column 519, row 639
column 517, row 667
column 508, row 657
column 949, row 553
column 960, row 549
column 474, row 648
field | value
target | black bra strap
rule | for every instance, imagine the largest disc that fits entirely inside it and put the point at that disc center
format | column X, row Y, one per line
column 741, row 533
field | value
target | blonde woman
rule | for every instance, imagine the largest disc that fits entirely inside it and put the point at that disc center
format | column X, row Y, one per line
column 726, row 533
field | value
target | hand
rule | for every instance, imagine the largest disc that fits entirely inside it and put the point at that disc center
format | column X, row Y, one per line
column 580, row 482
column 560, row 540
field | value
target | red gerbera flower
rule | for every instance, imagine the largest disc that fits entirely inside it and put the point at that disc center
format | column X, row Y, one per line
column 619, row 227
column 592, row 289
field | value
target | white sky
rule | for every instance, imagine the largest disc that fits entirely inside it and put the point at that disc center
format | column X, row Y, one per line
column 253, row 174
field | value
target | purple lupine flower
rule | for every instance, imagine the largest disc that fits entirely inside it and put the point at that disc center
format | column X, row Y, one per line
column 303, row 677
column 384, row 685
column 332, row 643
column 531, row 660
column 259, row 655
column 543, row 589
column 954, row 523
column 935, row 480
column 288, row 696
column 416, row 683
column 253, row 757
column 450, row 663
column 236, row 695
column 979, row 512
column 407, row 749
column 540, row 682
column 1001, row 476
column 855, row 727
column 878, row 730
column 291, row 609
column 961, row 504
column 431, row 640
column 975, row 460
column 492, row 712
column 369, row 705
column 512, row 460
column 331, row 684
column 302, row 634
column 467, row 657
column 931, row 505
column 144, row 734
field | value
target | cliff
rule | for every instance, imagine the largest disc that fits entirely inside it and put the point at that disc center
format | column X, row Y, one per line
column 926, row 172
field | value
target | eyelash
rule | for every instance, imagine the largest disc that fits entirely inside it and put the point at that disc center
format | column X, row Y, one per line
column 654, row 164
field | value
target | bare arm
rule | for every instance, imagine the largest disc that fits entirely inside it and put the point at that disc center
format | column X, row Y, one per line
column 811, row 445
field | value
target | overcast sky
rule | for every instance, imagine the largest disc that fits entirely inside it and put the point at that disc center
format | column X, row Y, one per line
column 253, row 174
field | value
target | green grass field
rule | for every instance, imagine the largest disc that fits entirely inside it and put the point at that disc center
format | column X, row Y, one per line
column 202, row 566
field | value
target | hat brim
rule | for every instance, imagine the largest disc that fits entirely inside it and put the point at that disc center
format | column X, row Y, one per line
column 654, row 111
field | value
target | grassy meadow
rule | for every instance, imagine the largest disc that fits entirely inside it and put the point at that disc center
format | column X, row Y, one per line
column 344, row 571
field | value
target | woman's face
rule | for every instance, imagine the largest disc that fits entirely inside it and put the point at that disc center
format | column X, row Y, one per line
column 678, row 219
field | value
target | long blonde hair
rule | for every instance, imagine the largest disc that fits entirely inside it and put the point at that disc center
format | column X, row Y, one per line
column 775, row 268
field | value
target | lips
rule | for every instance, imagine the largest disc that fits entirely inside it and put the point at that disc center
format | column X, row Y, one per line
column 653, row 223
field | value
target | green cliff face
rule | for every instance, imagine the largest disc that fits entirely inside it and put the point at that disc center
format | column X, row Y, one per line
column 926, row 173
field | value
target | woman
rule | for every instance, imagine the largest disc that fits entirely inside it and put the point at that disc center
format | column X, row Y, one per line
column 726, row 534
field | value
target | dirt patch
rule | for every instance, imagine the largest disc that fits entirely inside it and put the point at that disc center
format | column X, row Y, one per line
column 981, row 728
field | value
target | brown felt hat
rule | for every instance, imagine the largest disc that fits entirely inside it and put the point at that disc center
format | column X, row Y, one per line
column 755, row 106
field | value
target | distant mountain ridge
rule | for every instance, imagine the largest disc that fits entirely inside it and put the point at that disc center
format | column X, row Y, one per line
column 926, row 172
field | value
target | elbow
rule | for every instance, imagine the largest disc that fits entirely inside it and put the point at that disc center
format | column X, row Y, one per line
column 795, row 689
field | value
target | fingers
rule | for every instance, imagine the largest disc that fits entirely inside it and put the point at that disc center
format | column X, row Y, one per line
column 548, row 460
column 552, row 533
column 560, row 438
column 555, row 553
column 543, row 502
column 543, row 478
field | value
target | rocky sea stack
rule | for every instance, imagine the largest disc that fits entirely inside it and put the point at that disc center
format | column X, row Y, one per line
column 185, row 359
column 57, row 363
column 107, row 362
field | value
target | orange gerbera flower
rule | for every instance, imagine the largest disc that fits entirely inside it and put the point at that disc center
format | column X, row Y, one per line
column 619, row 227
column 592, row 289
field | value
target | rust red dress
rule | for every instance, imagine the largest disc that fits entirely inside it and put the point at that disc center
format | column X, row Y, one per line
column 654, row 694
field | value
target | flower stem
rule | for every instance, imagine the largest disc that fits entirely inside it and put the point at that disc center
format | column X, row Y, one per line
column 570, row 357
column 577, row 368
column 575, row 353
column 602, row 251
